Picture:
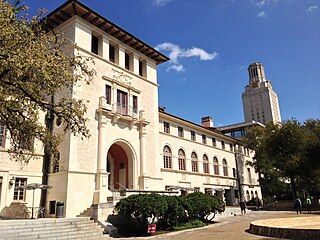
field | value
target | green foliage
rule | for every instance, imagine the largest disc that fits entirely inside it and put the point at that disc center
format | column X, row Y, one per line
column 38, row 71
column 143, row 206
column 199, row 205
column 169, row 211
column 288, row 151
column 189, row 225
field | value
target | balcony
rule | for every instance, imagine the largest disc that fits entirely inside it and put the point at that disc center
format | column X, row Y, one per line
column 119, row 111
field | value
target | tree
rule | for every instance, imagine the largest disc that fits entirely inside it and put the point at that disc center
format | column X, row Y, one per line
column 288, row 151
column 38, row 71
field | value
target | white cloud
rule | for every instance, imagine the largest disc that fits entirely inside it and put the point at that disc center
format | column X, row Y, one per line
column 175, row 52
column 262, row 14
column 261, row 3
column 160, row 3
column 312, row 8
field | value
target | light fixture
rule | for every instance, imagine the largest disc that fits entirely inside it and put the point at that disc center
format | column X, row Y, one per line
column 12, row 181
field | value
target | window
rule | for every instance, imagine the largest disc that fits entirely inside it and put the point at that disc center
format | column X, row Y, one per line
column 249, row 174
column 108, row 94
column 234, row 172
column 205, row 164
column 122, row 102
column 167, row 157
column 111, row 53
column 223, row 146
column 194, row 162
column 196, row 189
column 215, row 166
column 19, row 195
column 204, row 139
column 214, row 143
column 182, row 160
column 2, row 135
column 193, row 135
column 135, row 104
column 166, row 127
column 231, row 147
column 141, row 68
column 225, row 167
column 127, row 61
column 94, row 44
column 180, row 131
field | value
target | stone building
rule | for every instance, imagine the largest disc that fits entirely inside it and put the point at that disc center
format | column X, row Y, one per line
column 134, row 147
column 260, row 101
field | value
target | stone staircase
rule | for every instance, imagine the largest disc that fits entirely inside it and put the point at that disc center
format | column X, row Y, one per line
column 51, row 229
column 85, row 213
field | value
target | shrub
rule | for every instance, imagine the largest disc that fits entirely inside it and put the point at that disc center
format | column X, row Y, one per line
column 193, row 224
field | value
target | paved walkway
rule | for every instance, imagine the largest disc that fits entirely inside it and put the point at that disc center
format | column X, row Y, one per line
column 235, row 227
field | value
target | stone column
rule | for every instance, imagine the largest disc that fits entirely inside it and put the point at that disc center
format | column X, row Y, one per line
column 142, row 134
column 101, row 189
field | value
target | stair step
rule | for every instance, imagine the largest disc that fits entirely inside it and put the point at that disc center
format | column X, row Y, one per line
column 62, row 228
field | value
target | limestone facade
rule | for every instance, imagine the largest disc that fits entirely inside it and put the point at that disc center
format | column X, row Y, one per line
column 260, row 101
column 134, row 146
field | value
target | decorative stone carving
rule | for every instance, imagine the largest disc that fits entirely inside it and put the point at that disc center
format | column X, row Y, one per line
column 121, row 77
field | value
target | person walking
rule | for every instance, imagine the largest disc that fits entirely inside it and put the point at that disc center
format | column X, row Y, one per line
column 308, row 204
column 243, row 206
column 297, row 205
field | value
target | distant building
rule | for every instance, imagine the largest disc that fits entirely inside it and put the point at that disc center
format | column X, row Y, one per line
column 260, row 102
column 238, row 130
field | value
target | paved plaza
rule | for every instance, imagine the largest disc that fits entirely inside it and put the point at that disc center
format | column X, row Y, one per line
column 236, row 227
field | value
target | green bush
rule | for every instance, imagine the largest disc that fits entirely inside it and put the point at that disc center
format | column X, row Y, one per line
column 170, row 211
column 143, row 206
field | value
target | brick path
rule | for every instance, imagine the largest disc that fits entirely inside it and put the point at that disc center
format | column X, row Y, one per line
column 235, row 227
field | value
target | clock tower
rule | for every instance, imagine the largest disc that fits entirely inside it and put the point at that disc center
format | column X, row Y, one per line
column 260, row 102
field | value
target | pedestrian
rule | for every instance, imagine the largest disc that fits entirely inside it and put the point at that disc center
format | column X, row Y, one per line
column 297, row 205
column 243, row 206
column 308, row 204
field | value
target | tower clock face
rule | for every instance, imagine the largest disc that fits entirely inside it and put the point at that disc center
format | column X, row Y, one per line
column 254, row 84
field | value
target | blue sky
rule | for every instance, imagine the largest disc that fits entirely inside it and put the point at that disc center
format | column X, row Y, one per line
column 211, row 43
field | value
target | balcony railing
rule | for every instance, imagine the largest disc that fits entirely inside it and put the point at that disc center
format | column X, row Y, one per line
column 118, row 108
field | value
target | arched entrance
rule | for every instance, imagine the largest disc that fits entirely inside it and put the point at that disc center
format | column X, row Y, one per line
column 120, row 167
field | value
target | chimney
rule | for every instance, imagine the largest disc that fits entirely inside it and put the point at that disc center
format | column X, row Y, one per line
column 207, row 122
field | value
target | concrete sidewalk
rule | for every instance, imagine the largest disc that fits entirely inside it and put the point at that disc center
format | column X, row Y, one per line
column 288, row 228
column 234, row 227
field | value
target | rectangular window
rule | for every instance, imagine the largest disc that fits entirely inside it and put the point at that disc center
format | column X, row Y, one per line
column 234, row 172
column 127, row 61
column 140, row 68
column 111, row 53
column 193, row 135
column 26, row 142
column 205, row 167
column 180, row 131
column 122, row 102
column 94, row 44
column 135, row 104
column 249, row 174
column 223, row 146
column 214, row 143
column 19, row 195
column 2, row 136
column 196, row 189
column 231, row 147
column 166, row 127
column 204, row 139
column 108, row 94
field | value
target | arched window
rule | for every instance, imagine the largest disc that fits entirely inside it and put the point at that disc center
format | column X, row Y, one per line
column 215, row 166
column 194, row 162
column 205, row 164
column 225, row 167
column 167, row 163
column 182, row 160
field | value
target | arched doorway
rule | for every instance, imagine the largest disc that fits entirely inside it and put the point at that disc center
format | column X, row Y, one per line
column 120, row 167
